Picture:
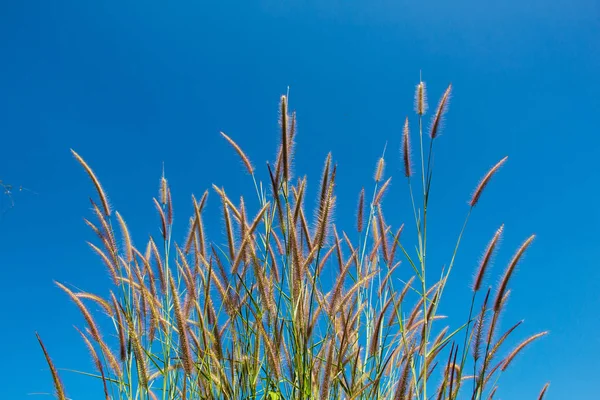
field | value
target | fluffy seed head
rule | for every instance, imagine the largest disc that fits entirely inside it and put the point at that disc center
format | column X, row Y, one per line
column 483, row 183
column 406, row 150
column 509, row 272
column 478, row 330
column 163, row 190
column 58, row 385
column 99, row 189
column 126, row 238
column 120, row 327
column 169, row 208
column 84, row 311
column 439, row 114
column 379, row 170
column 96, row 360
column 487, row 257
column 519, row 348
column 241, row 153
column 421, row 99
column 361, row 210
column 382, row 191
column 186, row 354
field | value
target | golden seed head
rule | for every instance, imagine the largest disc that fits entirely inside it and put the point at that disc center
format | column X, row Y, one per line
column 163, row 190
column 379, row 170
column 406, row 150
column 421, row 99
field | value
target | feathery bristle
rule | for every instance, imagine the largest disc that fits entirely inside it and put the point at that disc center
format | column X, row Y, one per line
column 402, row 385
column 109, row 357
column 421, row 99
column 148, row 252
column 478, row 330
column 58, row 385
column 360, row 211
column 163, row 190
column 337, row 289
column 376, row 234
column 96, row 230
column 99, row 300
column 163, row 219
column 382, row 191
column 107, row 231
column 519, row 348
column 291, row 141
column 120, row 327
column 96, row 360
column 483, row 183
column 509, row 271
column 278, row 243
column 159, row 266
column 439, row 114
column 109, row 264
column 126, row 237
column 139, row 353
column 169, row 208
column 200, row 225
column 485, row 261
column 324, row 221
column 228, row 228
column 190, row 236
column 247, row 238
column 377, row 328
column 263, row 286
column 186, row 354
column 338, row 249
column 327, row 373
column 84, row 311
column 324, row 191
column 383, row 229
column 406, row 150
column 299, row 199
column 241, row 153
column 502, row 339
column 495, row 317
column 379, row 169
column 395, row 244
column 275, row 193
column 99, row 189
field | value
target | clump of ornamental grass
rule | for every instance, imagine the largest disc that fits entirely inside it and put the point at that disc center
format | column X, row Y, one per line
column 250, row 316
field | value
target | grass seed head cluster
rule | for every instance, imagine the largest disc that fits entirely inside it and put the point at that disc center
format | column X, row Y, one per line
column 253, row 319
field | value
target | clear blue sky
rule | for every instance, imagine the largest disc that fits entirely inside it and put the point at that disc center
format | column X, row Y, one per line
column 132, row 84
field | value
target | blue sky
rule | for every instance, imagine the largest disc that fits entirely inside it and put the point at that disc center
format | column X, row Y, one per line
column 133, row 84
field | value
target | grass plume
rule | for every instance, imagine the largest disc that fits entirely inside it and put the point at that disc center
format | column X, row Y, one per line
column 241, row 153
column 58, row 385
column 483, row 183
column 96, row 182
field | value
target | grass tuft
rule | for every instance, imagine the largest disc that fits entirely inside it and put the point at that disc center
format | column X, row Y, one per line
column 278, row 308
